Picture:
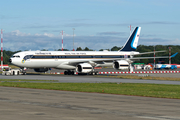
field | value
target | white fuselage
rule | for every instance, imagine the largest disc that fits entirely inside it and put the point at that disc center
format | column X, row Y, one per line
column 66, row 59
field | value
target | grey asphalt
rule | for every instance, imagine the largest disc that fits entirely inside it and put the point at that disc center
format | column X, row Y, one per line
column 35, row 104
column 87, row 79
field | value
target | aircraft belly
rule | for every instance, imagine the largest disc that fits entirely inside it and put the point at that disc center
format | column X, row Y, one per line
column 105, row 64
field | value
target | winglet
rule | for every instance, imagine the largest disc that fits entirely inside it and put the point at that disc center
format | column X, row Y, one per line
column 132, row 42
column 174, row 54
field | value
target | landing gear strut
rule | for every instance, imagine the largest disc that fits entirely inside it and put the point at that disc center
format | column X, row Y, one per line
column 130, row 68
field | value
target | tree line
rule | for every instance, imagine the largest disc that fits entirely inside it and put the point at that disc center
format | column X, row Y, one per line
column 140, row 48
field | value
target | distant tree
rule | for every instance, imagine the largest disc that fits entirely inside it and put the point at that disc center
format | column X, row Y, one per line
column 7, row 55
column 44, row 50
column 79, row 49
column 63, row 50
column 115, row 48
column 87, row 49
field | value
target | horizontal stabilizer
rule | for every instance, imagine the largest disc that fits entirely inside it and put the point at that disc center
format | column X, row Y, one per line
column 174, row 54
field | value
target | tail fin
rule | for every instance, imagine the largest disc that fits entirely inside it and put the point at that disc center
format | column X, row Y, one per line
column 132, row 42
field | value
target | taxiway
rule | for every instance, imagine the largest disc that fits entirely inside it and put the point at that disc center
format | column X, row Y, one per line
column 86, row 79
column 35, row 104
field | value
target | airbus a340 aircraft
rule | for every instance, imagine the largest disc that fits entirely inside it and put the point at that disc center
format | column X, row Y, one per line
column 81, row 61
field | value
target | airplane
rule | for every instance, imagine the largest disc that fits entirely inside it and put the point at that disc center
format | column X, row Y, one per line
column 82, row 62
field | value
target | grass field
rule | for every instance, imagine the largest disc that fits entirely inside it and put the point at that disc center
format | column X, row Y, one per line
column 136, row 89
column 139, row 77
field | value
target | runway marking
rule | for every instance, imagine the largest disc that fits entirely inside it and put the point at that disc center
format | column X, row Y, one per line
column 141, row 72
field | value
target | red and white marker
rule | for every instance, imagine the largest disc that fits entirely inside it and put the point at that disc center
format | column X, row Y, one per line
column 62, row 40
column 1, row 49
column 139, row 72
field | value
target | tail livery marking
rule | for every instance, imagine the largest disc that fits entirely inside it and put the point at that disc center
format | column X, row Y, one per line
column 132, row 42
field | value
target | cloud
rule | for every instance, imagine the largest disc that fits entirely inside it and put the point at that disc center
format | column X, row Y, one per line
column 80, row 25
column 18, row 33
column 161, row 22
column 112, row 33
column 158, row 41
column 68, row 35
column 48, row 34
column 40, row 26
column 17, row 40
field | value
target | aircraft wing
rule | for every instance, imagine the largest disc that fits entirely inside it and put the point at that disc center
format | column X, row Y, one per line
column 113, row 59
column 149, row 52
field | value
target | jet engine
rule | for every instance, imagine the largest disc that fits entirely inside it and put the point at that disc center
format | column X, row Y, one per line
column 121, row 65
column 41, row 69
column 84, row 68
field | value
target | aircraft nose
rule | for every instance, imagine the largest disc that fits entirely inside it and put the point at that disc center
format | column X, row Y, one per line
column 10, row 60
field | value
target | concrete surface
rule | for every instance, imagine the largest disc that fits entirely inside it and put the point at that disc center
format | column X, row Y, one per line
column 34, row 104
column 86, row 79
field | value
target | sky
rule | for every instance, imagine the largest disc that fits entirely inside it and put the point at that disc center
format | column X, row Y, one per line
column 98, row 24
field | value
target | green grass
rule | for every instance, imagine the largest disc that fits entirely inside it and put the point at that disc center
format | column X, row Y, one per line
column 135, row 89
column 140, row 77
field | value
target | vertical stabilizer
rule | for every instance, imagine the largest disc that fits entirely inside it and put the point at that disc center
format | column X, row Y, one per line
column 132, row 42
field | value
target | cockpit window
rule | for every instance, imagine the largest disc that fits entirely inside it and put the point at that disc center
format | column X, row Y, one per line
column 15, row 56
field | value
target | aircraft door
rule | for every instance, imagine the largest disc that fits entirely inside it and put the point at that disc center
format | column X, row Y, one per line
column 56, row 57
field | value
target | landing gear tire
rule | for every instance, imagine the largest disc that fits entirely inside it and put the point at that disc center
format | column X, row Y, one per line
column 93, row 73
column 68, row 72
column 72, row 72
column 96, row 72
column 65, row 72
column 24, row 73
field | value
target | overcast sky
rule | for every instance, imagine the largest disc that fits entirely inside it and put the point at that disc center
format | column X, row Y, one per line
column 99, row 24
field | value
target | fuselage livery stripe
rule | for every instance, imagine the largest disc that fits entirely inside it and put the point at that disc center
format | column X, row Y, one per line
column 73, row 56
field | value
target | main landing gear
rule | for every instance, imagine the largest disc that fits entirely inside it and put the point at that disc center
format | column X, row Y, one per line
column 68, row 72
column 90, row 73
column 94, row 73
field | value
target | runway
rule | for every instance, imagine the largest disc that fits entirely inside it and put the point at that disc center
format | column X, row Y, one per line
column 34, row 104
column 87, row 79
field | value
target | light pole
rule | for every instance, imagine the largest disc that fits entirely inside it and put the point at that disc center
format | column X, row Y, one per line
column 154, row 56
column 1, row 49
column 170, row 55
column 130, row 28
column 73, row 38
column 62, row 39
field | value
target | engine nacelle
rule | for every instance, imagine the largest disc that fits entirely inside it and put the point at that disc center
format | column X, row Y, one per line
column 84, row 68
column 41, row 69
column 121, row 65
